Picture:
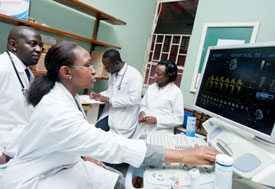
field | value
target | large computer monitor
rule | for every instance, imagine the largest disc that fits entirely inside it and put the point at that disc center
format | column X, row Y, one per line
column 237, row 85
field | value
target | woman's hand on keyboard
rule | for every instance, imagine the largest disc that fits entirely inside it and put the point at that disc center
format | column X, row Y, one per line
column 202, row 155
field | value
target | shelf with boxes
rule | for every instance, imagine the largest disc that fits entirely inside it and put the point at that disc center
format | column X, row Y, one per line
column 86, row 9
column 99, row 16
column 200, row 118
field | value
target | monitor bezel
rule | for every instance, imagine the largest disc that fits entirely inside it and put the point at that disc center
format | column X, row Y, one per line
column 270, row 138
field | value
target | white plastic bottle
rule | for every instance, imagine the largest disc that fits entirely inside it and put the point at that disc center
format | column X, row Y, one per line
column 194, row 176
column 191, row 126
column 223, row 172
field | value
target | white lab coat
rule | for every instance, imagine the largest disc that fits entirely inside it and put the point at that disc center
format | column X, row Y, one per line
column 166, row 105
column 15, row 113
column 57, row 135
column 124, row 104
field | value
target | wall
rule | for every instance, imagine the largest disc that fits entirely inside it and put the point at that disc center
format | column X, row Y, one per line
column 132, row 37
column 226, row 11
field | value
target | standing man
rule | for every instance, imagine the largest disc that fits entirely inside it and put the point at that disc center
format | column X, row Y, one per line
column 122, row 97
column 24, row 49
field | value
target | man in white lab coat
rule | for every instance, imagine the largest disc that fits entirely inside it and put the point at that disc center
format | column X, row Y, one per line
column 24, row 49
column 123, row 96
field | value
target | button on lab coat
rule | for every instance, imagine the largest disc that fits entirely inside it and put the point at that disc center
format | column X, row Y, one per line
column 125, row 96
column 15, row 113
column 56, row 137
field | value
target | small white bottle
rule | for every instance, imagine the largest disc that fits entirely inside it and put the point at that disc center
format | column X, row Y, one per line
column 223, row 172
column 191, row 126
column 194, row 176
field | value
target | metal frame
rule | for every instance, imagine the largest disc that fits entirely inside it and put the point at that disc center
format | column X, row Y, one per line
column 149, row 44
column 155, row 61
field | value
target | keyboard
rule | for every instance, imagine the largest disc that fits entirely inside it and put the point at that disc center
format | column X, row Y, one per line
column 176, row 142
column 168, row 173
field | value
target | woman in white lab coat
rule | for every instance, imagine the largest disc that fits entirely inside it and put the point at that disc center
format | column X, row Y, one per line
column 162, row 106
column 58, row 135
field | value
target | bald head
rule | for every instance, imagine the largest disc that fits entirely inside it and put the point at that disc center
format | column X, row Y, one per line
column 19, row 31
column 26, row 44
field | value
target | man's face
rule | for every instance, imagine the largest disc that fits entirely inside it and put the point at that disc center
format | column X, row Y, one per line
column 109, row 66
column 29, row 47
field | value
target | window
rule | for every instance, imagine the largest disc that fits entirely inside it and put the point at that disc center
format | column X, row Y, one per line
column 170, row 37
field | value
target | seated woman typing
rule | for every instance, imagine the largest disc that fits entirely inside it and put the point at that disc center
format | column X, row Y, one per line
column 162, row 106
column 58, row 135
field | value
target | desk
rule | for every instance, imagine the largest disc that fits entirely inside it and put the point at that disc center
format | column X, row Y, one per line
column 237, row 182
column 90, row 107
column 91, row 111
column 151, row 175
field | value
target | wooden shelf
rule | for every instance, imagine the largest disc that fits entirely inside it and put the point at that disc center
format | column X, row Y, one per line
column 38, row 72
column 102, row 78
column 17, row 21
column 82, row 7
column 79, row 6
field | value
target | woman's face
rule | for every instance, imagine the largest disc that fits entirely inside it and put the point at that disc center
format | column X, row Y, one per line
column 83, row 74
column 160, row 76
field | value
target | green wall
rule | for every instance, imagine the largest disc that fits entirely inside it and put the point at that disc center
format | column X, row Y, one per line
column 214, row 11
column 132, row 37
column 138, row 15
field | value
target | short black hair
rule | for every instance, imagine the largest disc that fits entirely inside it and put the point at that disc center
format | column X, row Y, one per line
column 113, row 55
column 171, row 69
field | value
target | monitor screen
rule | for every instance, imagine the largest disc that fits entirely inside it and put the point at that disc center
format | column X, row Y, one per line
column 238, row 86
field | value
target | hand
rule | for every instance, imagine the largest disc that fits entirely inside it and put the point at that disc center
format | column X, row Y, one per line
column 4, row 159
column 202, row 155
column 94, row 95
column 150, row 119
column 141, row 117
column 104, row 99
column 98, row 163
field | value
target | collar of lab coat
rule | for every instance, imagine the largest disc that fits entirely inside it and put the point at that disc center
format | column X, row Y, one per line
column 70, row 96
column 122, row 70
column 20, row 66
column 169, row 85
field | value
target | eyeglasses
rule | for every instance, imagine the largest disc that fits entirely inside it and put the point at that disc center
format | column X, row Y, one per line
column 90, row 67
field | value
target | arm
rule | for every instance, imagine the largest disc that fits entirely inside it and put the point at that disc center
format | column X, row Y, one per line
column 203, row 155
column 133, row 96
column 80, row 138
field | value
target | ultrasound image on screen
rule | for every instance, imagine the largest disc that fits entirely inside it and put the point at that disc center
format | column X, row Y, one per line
column 239, row 84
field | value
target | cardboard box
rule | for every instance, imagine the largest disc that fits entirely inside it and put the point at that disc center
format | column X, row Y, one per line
column 40, row 66
column 98, row 65
column 15, row 8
